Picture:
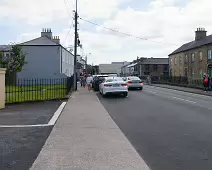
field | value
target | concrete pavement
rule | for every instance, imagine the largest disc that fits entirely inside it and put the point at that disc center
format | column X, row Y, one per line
column 86, row 138
column 170, row 129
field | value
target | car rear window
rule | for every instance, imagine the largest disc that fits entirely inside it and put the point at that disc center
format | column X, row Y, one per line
column 114, row 79
column 134, row 78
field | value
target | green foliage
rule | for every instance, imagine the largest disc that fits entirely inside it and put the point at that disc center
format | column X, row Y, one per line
column 15, row 61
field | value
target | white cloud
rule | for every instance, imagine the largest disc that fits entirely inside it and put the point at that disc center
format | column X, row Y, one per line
column 163, row 21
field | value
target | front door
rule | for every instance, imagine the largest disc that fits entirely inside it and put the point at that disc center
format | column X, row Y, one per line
column 210, row 72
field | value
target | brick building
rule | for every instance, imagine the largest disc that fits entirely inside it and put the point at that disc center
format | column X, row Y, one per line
column 148, row 66
column 155, row 67
column 194, row 58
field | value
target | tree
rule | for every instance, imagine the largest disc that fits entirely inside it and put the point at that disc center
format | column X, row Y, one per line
column 14, row 62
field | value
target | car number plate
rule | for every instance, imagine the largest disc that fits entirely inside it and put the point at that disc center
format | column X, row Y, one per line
column 116, row 85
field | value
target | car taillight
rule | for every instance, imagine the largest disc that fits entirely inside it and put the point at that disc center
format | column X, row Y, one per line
column 129, row 82
column 141, row 83
column 124, row 84
column 107, row 85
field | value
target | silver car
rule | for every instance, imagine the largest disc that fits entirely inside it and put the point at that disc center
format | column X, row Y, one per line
column 134, row 83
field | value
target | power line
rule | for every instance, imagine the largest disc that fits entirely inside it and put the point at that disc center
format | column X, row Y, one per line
column 67, row 8
column 67, row 34
column 123, row 33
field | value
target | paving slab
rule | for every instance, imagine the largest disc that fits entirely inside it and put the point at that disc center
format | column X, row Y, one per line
column 86, row 138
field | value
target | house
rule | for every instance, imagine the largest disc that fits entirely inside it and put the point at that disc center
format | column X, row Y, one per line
column 147, row 66
column 5, row 49
column 194, row 58
column 154, row 66
column 81, row 64
column 46, row 58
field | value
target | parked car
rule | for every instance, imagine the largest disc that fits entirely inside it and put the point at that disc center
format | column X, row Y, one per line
column 135, row 83
column 97, row 79
column 113, row 85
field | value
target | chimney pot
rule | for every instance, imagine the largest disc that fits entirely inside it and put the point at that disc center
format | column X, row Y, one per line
column 201, row 33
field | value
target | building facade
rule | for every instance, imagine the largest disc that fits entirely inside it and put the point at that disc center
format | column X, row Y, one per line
column 147, row 66
column 155, row 67
column 46, row 58
column 112, row 68
column 193, row 59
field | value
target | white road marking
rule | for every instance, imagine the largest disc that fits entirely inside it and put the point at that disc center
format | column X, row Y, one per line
column 57, row 114
column 51, row 122
column 183, row 100
column 23, row 126
column 151, row 91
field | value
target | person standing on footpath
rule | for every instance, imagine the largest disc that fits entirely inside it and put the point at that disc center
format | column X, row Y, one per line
column 206, row 82
column 89, row 81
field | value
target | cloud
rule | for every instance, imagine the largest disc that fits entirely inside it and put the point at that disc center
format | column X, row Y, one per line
column 36, row 12
column 171, row 22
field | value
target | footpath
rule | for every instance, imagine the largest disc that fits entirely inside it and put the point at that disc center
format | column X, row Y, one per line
column 185, row 89
column 86, row 138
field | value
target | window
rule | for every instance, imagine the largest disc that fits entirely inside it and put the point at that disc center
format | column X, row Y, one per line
column 192, row 57
column 200, row 73
column 147, row 67
column 192, row 72
column 200, row 56
column 155, row 67
column 63, row 56
column 171, row 60
column 165, row 67
column 175, row 60
column 180, row 59
column 186, row 59
column 209, row 55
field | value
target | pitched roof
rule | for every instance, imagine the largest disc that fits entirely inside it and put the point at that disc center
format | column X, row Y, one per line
column 5, row 47
column 193, row 44
column 40, row 41
column 155, row 61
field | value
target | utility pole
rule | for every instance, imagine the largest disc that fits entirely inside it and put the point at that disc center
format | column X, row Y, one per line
column 75, row 48
column 86, row 62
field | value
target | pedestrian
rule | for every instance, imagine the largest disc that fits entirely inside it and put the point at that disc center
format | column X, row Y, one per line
column 210, row 84
column 206, row 82
column 89, row 81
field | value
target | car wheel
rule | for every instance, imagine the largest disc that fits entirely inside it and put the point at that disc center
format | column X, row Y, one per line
column 103, row 95
column 141, row 88
column 125, row 94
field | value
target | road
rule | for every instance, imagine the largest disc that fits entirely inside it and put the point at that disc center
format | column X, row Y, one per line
column 171, row 130
column 20, row 146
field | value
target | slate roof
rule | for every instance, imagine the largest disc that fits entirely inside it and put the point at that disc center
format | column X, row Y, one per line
column 40, row 41
column 156, row 61
column 5, row 48
column 193, row 44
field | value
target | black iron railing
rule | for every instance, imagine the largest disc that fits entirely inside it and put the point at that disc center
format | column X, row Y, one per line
column 24, row 90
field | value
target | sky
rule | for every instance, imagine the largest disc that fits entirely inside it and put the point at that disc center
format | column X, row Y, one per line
column 157, row 27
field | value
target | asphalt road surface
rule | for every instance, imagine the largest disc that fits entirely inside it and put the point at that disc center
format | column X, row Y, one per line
column 19, row 147
column 171, row 130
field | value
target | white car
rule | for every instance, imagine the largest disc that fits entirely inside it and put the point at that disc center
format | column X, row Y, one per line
column 134, row 82
column 113, row 85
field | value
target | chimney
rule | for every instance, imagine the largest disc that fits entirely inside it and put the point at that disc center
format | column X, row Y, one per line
column 200, row 33
column 46, row 32
column 56, row 39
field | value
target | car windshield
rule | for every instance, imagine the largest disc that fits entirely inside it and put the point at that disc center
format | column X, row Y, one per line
column 114, row 79
column 134, row 78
